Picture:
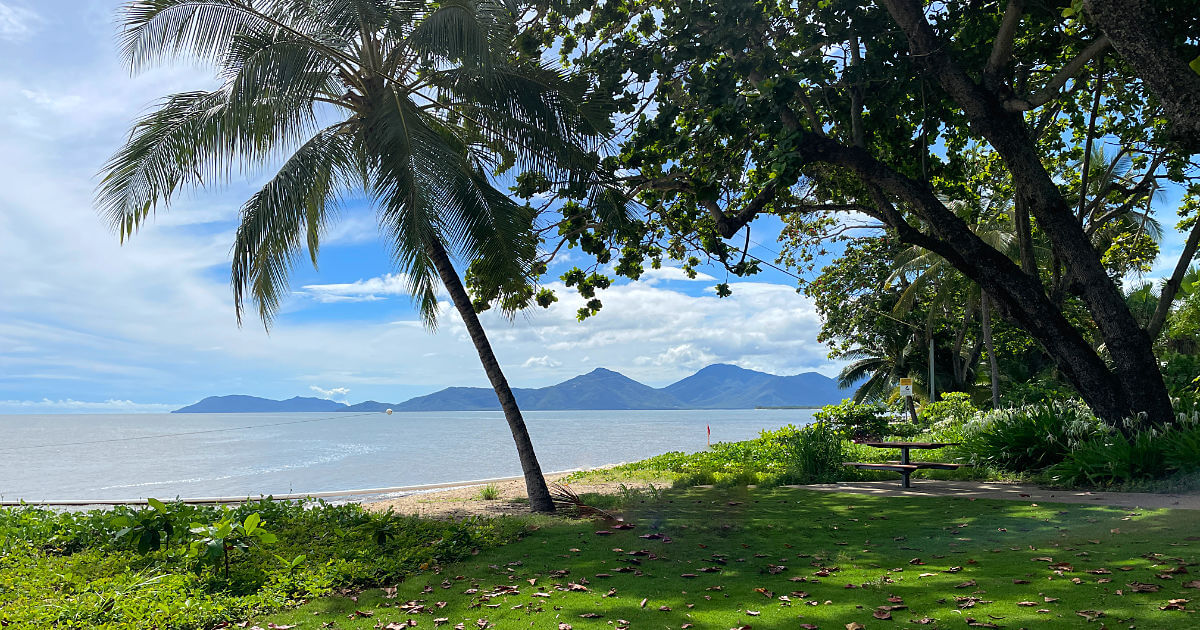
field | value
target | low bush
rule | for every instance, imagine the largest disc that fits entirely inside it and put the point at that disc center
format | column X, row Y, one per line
column 180, row 567
column 855, row 421
column 1030, row 437
column 815, row 454
column 954, row 407
column 1114, row 458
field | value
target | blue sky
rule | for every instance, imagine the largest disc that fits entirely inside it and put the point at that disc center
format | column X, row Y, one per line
column 87, row 324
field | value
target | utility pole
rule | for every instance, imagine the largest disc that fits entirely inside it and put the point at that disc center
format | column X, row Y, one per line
column 931, row 392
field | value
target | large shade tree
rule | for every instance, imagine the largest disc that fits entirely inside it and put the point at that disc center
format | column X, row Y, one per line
column 413, row 104
column 741, row 108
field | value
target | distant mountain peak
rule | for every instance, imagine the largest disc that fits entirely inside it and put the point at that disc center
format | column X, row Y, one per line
column 717, row 386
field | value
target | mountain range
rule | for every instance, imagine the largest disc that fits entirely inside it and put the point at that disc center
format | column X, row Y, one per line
column 719, row 386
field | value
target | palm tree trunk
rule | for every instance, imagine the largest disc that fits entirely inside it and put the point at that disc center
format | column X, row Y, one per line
column 535, row 483
column 991, row 350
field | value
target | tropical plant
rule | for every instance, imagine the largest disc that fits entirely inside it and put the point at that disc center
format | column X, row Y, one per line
column 410, row 101
column 881, row 360
column 214, row 541
column 147, row 529
column 1031, row 437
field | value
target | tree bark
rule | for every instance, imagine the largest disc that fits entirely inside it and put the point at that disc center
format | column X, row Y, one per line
column 1134, row 28
column 535, row 483
column 986, row 309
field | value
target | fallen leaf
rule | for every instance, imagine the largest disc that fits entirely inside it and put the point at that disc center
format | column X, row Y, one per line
column 967, row 584
column 882, row 614
column 1142, row 587
column 854, row 625
column 1090, row 615
column 1174, row 604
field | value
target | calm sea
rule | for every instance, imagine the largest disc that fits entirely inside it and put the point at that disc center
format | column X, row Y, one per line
column 130, row 457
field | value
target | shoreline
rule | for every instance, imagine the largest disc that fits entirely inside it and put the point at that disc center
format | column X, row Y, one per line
column 366, row 496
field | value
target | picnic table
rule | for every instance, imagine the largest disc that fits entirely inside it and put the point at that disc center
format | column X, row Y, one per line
column 905, row 466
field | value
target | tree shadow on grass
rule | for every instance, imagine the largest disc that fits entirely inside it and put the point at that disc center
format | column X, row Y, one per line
column 729, row 558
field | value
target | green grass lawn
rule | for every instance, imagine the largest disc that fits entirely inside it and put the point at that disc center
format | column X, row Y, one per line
column 787, row 558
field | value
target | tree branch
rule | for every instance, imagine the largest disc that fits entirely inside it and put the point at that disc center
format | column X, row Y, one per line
column 1003, row 44
column 1167, row 296
column 1069, row 71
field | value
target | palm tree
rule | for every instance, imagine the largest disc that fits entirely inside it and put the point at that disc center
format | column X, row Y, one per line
column 409, row 102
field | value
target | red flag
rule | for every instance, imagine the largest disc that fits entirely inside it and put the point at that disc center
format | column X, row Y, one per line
column 709, row 429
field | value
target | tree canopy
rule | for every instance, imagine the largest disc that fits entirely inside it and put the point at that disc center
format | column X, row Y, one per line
column 891, row 110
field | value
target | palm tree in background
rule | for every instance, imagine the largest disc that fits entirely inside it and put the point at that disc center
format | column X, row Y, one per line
column 410, row 103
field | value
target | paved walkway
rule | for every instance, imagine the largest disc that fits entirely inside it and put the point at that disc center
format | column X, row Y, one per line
column 1012, row 492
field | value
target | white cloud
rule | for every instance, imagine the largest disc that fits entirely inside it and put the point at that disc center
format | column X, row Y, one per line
column 17, row 23
column 667, row 274
column 331, row 394
column 369, row 290
column 81, row 406
column 543, row 361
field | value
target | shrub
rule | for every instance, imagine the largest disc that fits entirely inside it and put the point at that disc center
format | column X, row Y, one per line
column 854, row 420
column 815, row 454
column 1112, row 458
column 489, row 492
column 953, row 407
column 1029, row 438
column 1181, row 450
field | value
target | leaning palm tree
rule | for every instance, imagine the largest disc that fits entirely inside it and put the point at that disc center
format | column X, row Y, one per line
column 409, row 102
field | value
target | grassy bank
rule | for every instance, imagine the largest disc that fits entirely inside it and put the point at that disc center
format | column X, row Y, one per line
column 186, row 567
column 780, row 558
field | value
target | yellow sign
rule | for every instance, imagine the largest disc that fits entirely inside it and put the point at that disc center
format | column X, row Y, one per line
column 906, row 387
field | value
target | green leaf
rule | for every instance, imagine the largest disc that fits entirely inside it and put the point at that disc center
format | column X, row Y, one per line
column 251, row 522
column 156, row 504
column 1195, row 65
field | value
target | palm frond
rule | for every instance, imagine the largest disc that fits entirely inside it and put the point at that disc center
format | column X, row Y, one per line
column 290, row 210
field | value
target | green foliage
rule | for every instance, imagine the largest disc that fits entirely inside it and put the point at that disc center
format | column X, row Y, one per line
column 854, row 420
column 70, row 570
column 214, row 542
column 953, row 407
column 815, row 454
column 1115, row 458
column 489, row 492
column 147, row 529
column 1031, row 437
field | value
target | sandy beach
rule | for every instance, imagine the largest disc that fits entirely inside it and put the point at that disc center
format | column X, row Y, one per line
column 464, row 501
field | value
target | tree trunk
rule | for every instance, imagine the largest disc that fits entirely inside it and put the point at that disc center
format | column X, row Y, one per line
column 535, row 483
column 991, row 350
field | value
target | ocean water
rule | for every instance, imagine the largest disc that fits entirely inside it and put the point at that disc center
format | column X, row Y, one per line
column 93, row 457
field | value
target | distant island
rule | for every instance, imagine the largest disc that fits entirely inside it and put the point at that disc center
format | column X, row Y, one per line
column 719, row 386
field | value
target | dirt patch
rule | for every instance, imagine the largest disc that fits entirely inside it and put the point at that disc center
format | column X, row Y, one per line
column 464, row 501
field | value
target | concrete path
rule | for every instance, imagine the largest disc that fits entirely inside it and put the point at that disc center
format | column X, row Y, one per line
column 1012, row 492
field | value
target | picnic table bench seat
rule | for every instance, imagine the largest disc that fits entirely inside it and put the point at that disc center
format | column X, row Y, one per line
column 896, row 466
column 934, row 465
